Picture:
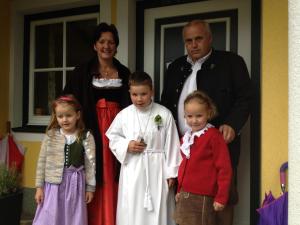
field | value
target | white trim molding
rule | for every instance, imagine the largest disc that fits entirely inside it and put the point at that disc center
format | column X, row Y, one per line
column 127, row 32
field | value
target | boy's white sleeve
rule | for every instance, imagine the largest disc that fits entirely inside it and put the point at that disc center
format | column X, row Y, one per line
column 118, row 143
column 172, row 149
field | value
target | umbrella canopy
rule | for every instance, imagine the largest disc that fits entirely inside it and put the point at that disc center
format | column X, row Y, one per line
column 275, row 211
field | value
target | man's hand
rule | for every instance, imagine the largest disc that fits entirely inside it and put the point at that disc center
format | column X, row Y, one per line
column 227, row 132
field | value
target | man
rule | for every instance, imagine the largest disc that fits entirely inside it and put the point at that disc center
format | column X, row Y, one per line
column 225, row 78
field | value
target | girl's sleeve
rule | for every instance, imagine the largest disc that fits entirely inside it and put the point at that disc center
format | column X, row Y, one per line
column 172, row 148
column 90, row 162
column 40, row 169
column 223, row 165
column 118, row 143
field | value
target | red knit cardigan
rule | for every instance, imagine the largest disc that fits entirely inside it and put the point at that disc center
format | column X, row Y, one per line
column 208, row 170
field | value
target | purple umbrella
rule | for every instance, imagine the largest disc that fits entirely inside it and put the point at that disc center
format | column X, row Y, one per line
column 275, row 211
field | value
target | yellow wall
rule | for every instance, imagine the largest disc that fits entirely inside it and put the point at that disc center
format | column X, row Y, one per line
column 114, row 11
column 274, row 140
column 30, row 161
column 4, row 63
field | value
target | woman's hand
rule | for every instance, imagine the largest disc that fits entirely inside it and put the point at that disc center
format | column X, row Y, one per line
column 136, row 146
column 218, row 206
column 171, row 182
column 39, row 196
column 89, row 197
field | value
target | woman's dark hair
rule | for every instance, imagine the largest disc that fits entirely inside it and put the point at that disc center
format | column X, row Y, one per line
column 104, row 27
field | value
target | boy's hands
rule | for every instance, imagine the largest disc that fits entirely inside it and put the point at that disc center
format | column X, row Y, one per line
column 136, row 146
column 218, row 206
column 39, row 195
column 89, row 197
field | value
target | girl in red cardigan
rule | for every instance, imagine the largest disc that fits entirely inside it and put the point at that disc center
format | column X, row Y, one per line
column 204, row 175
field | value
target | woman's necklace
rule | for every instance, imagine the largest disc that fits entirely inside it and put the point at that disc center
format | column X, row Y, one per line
column 109, row 73
column 141, row 133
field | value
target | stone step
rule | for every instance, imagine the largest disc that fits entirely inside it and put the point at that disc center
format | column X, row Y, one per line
column 26, row 219
column 26, row 222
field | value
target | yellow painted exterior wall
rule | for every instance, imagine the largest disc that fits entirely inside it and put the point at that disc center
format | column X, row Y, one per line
column 30, row 161
column 274, row 84
column 4, row 63
column 114, row 11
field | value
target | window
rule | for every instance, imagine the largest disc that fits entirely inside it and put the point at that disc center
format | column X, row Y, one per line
column 57, row 42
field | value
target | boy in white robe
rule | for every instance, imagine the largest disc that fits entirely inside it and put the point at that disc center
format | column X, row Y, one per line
column 144, row 138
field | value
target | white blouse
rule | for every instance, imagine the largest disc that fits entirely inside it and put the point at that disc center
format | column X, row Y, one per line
column 103, row 82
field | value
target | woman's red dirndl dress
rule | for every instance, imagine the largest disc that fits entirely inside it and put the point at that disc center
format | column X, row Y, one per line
column 102, row 210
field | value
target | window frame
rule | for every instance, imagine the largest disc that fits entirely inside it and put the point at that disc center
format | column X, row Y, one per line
column 31, row 122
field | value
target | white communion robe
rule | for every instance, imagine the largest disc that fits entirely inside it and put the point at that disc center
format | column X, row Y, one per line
column 144, row 197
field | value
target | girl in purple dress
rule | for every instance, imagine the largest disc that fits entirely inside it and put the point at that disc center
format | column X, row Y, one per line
column 65, row 175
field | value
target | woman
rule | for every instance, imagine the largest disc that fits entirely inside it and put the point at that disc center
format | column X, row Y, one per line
column 101, row 86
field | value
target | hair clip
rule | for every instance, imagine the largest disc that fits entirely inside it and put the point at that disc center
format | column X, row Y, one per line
column 66, row 98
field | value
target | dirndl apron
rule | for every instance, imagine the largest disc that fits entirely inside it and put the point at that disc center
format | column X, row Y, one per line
column 64, row 203
column 102, row 209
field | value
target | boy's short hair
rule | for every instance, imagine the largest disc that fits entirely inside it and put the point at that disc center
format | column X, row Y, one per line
column 140, row 78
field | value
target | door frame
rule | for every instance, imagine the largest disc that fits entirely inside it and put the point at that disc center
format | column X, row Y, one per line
column 255, row 119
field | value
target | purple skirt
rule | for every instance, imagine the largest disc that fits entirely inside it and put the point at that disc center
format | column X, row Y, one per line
column 64, row 204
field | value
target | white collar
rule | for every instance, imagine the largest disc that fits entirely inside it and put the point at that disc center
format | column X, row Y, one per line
column 188, row 139
column 199, row 61
column 70, row 138
column 103, row 82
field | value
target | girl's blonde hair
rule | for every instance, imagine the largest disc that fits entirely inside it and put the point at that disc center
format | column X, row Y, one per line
column 203, row 99
column 73, row 102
